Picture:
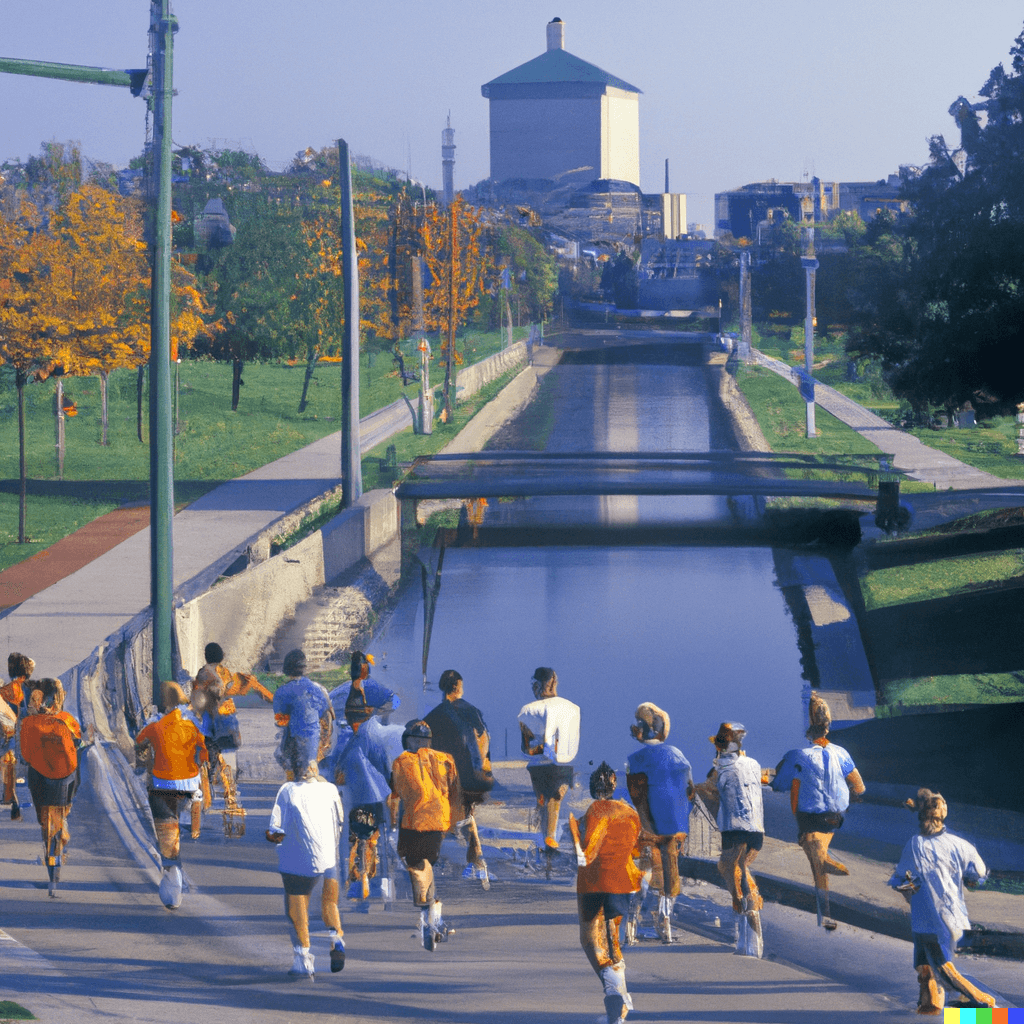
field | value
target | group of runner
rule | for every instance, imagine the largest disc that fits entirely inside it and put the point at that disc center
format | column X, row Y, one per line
column 428, row 776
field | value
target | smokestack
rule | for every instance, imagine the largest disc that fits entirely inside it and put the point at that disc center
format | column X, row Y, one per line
column 556, row 34
column 667, row 189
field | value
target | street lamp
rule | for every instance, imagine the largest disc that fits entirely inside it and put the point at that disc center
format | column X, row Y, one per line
column 810, row 265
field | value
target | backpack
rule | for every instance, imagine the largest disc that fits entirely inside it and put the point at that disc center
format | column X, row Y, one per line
column 48, row 745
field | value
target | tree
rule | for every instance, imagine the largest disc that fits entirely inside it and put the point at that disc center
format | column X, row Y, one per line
column 453, row 255
column 35, row 292
column 949, row 322
column 533, row 272
column 257, row 280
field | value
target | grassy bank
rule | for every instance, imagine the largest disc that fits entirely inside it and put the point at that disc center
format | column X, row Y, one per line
column 213, row 444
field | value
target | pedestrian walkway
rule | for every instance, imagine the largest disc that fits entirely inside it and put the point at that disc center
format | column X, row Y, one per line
column 916, row 459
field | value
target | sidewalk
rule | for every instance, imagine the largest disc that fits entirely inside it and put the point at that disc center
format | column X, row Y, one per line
column 915, row 458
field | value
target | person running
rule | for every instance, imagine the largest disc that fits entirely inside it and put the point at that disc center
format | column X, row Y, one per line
column 606, row 842
column 550, row 727
column 377, row 695
column 427, row 784
column 178, row 752
column 931, row 874
column 820, row 779
column 19, row 668
column 302, row 710
column 361, row 770
column 458, row 728
column 305, row 824
column 213, row 694
column 741, row 823
column 659, row 780
column 50, row 740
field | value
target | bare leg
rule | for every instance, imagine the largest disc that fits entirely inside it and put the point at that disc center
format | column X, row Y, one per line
column 297, row 910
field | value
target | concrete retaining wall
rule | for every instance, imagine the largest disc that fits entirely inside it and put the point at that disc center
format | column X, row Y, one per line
column 470, row 379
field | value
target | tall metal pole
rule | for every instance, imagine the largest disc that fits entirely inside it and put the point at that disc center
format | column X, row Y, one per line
column 351, row 456
column 810, row 265
column 161, row 452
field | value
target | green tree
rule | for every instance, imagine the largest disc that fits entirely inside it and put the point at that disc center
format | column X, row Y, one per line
column 949, row 305
column 533, row 272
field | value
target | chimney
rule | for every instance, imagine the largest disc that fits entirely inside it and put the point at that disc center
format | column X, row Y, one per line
column 556, row 34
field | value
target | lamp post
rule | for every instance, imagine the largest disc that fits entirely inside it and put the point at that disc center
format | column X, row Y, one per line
column 162, row 27
column 810, row 265
column 351, row 456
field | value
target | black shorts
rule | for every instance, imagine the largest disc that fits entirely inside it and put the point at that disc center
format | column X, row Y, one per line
column 549, row 779
column 414, row 847
column 737, row 837
column 166, row 803
column 826, row 821
column 364, row 821
column 614, row 904
column 298, row 885
column 51, row 792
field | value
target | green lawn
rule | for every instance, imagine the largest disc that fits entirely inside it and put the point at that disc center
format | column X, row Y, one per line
column 991, row 447
column 978, row 688
column 214, row 444
column 942, row 577
column 782, row 415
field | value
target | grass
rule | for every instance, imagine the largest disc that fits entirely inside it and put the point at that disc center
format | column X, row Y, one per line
column 991, row 447
column 782, row 415
column 966, row 688
column 214, row 444
column 14, row 1011
column 943, row 577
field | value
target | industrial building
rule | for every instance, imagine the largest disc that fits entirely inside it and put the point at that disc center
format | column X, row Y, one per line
column 558, row 115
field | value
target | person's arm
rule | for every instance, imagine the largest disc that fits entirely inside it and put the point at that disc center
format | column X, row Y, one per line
column 593, row 839
column 636, row 784
column 530, row 745
column 856, row 784
column 275, row 832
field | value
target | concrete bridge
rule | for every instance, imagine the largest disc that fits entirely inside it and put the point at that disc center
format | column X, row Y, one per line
column 517, row 474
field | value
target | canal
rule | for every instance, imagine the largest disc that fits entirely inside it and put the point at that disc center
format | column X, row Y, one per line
column 702, row 631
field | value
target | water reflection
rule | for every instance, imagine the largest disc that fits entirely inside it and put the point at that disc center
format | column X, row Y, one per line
column 702, row 632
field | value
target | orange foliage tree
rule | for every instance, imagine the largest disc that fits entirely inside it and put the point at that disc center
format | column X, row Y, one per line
column 452, row 250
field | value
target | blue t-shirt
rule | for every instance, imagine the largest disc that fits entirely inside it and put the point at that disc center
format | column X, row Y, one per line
column 822, row 773
column 305, row 703
column 668, row 776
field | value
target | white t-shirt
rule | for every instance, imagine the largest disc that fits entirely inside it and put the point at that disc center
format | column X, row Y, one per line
column 309, row 813
column 556, row 721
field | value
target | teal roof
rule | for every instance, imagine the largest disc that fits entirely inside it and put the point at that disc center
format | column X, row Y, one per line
column 559, row 66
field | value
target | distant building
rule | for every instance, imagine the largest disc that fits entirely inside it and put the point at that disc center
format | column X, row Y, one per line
column 213, row 230
column 740, row 211
column 558, row 114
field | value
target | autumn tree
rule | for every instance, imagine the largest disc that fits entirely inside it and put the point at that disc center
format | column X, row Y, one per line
column 451, row 248
column 35, row 295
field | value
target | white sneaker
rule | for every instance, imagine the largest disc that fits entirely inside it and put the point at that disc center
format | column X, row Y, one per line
column 170, row 887
column 302, row 964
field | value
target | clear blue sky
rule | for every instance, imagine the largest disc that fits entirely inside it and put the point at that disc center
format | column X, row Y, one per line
column 733, row 91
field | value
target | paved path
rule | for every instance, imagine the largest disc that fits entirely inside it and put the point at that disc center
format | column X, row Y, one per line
column 912, row 456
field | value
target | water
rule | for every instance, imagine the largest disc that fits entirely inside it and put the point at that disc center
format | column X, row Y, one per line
column 702, row 632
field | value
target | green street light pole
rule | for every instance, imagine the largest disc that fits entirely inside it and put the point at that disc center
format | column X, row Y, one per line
column 351, row 457
column 161, row 487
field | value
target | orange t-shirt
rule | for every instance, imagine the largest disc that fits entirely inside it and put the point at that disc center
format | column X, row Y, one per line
column 178, row 746
column 609, row 831
column 48, row 743
column 425, row 780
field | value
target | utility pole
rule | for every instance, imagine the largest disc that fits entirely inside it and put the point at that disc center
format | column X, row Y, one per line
column 351, row 455
column 162, row 27
column 453, row 245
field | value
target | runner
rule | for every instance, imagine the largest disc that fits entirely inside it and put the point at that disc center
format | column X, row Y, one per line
column 303, row 712
column 427, row 784
column 213, row 695
column 178, row 753
column 659, row 781
column 50, row 740
column 551, row 737
column 606, row 843
column 305, row 823
column 377, row 695
column 820, row 779
column 19, row 668
column 458, row 728
column 741, row 822
column 931, row 874
column 361, row 770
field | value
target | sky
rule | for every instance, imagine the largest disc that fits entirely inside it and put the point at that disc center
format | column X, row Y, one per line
column 734, row 91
